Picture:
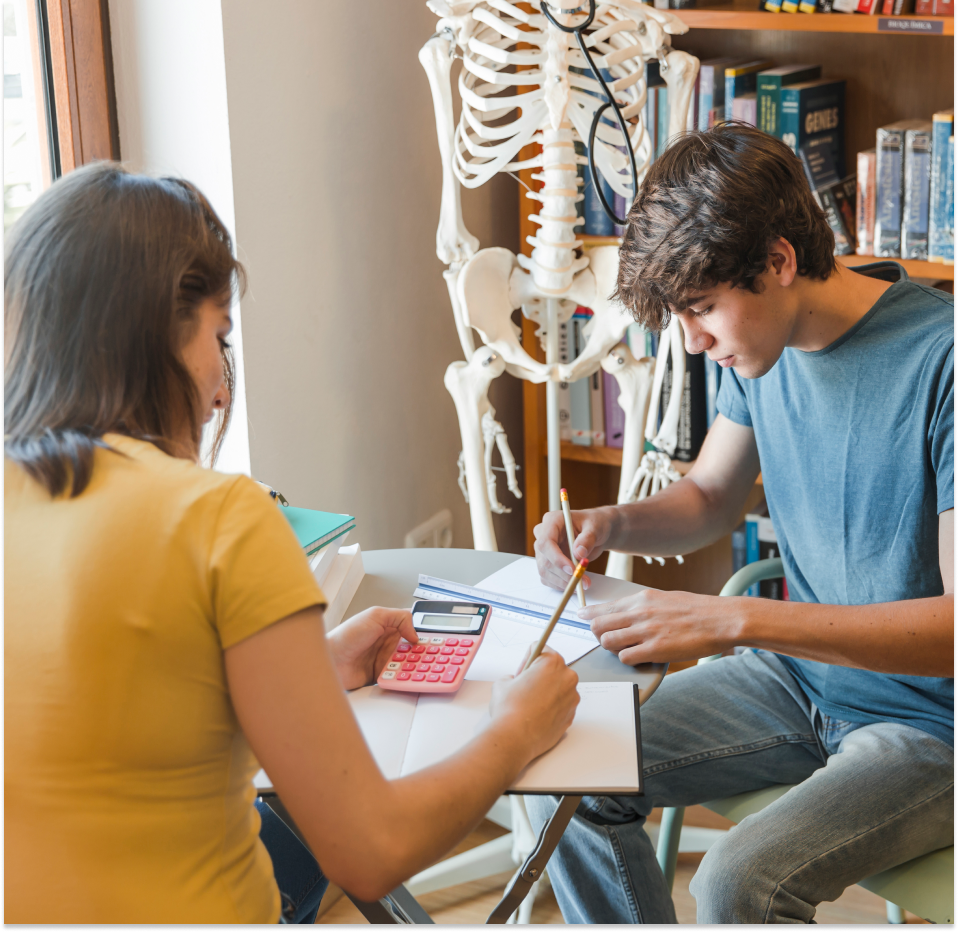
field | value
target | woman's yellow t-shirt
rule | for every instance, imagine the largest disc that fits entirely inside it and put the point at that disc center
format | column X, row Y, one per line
column 128, row 780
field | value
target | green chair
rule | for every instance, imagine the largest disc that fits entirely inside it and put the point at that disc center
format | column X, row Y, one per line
column 924, row 886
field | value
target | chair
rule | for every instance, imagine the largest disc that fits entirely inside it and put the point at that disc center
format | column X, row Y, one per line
column 924, row 886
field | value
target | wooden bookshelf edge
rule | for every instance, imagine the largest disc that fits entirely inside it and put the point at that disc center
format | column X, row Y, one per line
column 736, row 17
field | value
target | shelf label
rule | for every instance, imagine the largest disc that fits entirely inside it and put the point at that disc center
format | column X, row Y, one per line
column 927, row 27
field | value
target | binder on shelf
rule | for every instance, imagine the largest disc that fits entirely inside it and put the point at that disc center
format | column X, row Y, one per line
column 940, row 243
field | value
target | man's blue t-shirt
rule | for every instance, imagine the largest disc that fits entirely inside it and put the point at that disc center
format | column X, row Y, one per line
column 856, row 443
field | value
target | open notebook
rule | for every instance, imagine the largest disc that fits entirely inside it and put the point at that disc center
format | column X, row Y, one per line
column 599, row 754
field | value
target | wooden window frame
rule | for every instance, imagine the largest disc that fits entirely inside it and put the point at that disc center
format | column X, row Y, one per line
column 81, row 67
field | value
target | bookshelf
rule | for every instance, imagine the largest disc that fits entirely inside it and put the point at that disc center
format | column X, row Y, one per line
column 891, row 75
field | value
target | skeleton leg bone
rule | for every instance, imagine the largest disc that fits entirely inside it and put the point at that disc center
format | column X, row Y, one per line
column 468, row 383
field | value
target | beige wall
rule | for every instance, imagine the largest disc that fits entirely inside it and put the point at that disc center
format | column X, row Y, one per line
column 347, row 326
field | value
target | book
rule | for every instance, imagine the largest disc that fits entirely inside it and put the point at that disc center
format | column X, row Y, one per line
column 315, row 529
column 949, row 252
column 868, row 7
column 865, row 203
column 935, row 7
column 638, row 340
column 818, row 159
column 916, row 188
column 597, row 221
column 889, row 185
column 751, row 546
column 620, row 207
column 614, row 415
column 741, row 79
column 745, row 109
column 768, row 89
column 739, row 560
column 580, row 404
column 898, row 7
column 664, row 115
column 341, row 583
column 564, row 401
column 322, row 561
column 813, row 119
column 600, row 753
column 844, row 6
column 711, row 89
column 692, row 425
column 807, row 6
column 713, row 379
column 838, row 202
column 768, row 549
column 943, row 126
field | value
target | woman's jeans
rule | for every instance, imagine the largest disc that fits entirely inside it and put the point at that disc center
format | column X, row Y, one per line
column 870, row 797
column 299, row 878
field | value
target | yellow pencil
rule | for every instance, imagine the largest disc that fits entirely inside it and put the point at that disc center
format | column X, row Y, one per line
column 560, row 608
column 570, row 533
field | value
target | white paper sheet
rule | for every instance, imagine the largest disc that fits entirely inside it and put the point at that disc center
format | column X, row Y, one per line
column 385, row 718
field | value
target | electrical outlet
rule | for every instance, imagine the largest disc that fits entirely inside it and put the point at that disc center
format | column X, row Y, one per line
column 436, row 532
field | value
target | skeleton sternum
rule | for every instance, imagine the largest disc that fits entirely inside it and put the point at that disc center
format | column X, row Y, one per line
column 553, row 246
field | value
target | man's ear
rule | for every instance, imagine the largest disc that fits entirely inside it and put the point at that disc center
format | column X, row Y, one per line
column 782, row 263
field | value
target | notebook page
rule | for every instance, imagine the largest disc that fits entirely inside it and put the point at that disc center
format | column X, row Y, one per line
column 385, row 718
column 599, row 751
column 444, row 724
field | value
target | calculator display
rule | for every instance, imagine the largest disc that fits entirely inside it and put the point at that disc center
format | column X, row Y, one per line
column 446, row 621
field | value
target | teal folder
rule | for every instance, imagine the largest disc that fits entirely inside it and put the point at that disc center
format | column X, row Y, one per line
column 315, row 529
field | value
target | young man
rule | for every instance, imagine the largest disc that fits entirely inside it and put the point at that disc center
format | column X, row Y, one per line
column 839, row 386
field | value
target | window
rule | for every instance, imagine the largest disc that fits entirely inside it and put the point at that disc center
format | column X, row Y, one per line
column 28, row 150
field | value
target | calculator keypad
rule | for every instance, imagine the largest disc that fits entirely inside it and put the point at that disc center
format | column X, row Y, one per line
column 432, row 659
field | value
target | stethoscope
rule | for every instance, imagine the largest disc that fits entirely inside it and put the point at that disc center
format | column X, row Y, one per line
column 609, row 102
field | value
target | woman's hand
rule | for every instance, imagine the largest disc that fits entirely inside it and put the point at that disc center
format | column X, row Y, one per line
column 362, row 645
column 654, row 626
column 593, row 528
column 537, row 706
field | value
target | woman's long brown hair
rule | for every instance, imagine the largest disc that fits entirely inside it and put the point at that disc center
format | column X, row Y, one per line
column 102, row 279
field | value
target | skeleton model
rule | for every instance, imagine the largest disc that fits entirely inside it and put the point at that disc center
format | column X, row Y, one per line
column 517, row 86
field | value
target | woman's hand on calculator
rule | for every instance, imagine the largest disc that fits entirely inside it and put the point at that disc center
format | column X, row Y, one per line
column 362, row 645
column 538, row 704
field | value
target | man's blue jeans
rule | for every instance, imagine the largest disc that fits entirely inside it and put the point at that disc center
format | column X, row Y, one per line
column 298, row 876
column 871, row 797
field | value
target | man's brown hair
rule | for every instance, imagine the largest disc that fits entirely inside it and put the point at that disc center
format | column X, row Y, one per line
column 707, row 212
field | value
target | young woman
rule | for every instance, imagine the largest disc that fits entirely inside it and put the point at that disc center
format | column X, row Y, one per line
column 163, row 631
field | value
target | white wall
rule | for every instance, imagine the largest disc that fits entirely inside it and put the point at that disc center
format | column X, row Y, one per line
column 173, row 120
column 348, row 327
column 328, row 167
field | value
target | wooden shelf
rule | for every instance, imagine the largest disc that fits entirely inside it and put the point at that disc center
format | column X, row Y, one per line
column 743, row 15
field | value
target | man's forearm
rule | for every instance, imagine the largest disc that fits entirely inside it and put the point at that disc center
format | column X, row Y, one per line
column 679, row 519
column 915, row 637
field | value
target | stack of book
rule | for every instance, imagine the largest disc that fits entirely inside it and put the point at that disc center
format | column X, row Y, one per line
column 753, row 540
column 905, row 191
column 337, row 568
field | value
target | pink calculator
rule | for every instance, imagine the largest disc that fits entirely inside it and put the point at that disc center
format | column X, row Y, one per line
column 449, row 636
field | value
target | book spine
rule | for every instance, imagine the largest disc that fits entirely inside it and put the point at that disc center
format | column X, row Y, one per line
column 789, row 126
column 751, row 546
column 827, row 199
column 888, row 7
column 942, row 128
column 769, row 89
column 866, row 203
column 664, row 116
column 767, row 550
column 597, row 221
column 614, row 415
column 949, row 248
column 713, row 379
column 580, row 404
column 888, row 191
column 706, row 95
column 744, row 109
column 738, row 548
column 564, row 401
column 729, row 95
column 914, row 225
column 619, row 207
column 597, row 407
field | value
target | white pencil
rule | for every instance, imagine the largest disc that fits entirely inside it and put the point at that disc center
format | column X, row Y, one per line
column 570, row 533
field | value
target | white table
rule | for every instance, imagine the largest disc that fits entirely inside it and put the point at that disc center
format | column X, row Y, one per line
column 390, row 579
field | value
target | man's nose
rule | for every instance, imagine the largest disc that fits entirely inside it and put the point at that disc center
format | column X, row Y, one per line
column 696, row 339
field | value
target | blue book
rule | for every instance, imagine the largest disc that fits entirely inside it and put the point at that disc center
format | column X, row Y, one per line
column 597, row 221
column 741, row 79
column 889, row 186
column 949, row 250
column 943, row 126
column 711, row 88
column 713, row 379
column 316, row 529
column 812, row 117
column 914, row 222
column 751, row 546
column 664, row 115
